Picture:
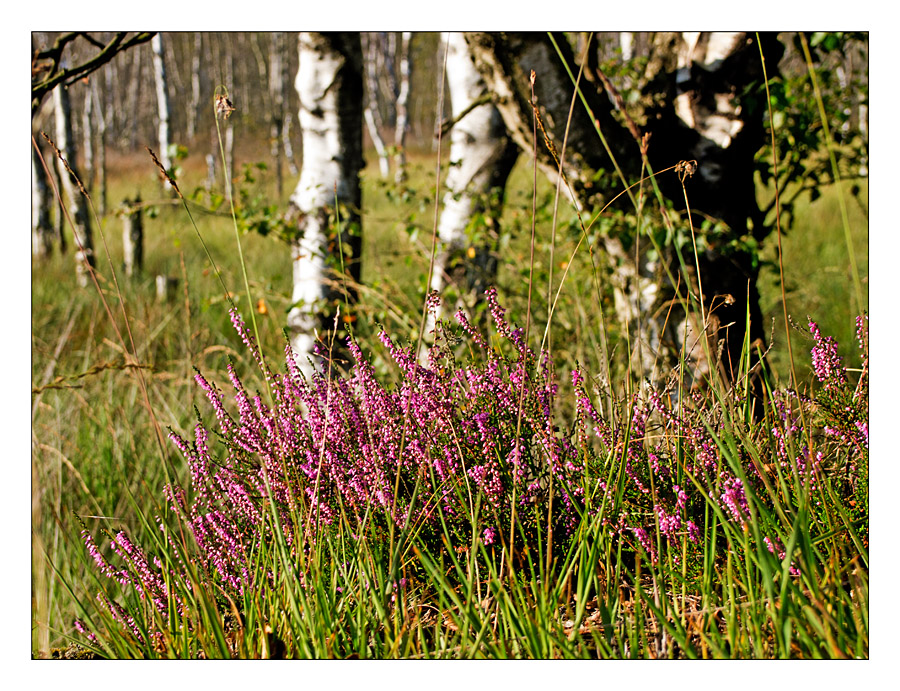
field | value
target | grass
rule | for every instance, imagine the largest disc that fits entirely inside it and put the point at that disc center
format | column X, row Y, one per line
column 354, row 593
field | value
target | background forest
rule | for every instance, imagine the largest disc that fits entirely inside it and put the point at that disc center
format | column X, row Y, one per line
column 112, row 390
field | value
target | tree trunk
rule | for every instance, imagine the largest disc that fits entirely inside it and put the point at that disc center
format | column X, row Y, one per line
column 402, row 108
column 288, row 147
column 87, row 137
column 276, row 92
column 626, row 42
column 59, row 220
column 134, row 97
column 505, row 61
column 371, row 112
column 78, row 210
column 229, row 123
column 698, row 84
column 711, row 111
column 329, row 84
column 194, row 108
column 481, row 158
column 132, row 236
column 41, row 229
column 162, row 101
column 101, row 145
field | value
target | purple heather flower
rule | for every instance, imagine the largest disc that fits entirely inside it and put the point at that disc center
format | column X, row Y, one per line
column 693, row 532
column 83, row 630
column 825, row 360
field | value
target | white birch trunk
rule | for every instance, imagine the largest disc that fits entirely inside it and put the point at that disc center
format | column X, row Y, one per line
column 371, row 113
column 132, row 237
column 626, row 42
column 78, row 210
column 162, row 101
column 329, row 84
column 403, row 108
column 87, row 137
column 194, row 108
column 229, row 123
column 288, row 118
column 134, row 96
column 276, row 92
column 101, row 145
column 41, row 230
column 481, row 158
column 59, row 220
column 288, row 147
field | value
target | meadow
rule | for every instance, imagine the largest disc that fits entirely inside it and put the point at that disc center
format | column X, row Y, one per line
column 495, row 505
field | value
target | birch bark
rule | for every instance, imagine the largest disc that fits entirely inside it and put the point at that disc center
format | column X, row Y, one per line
column 78, row 211
column 41, row 230
column 403, row 108
column 698, row 84
column 100, row 120
column 132, row 236
column 276, row 92
column 87, row 138
column 330, row 88
column 372, row 115
column 162, row 100
column 481, row 158
column 196, row 65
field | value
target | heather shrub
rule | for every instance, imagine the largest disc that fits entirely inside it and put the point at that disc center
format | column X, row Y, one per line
column 476, row 455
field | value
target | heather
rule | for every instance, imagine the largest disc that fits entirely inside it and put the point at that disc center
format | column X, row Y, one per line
column 470, row 505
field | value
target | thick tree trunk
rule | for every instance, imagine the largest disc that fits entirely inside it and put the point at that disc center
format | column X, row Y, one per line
column 697, row 83
column 162, row 101
column 481, row 158
column 78, row 210
column 402, row 126
column 505, row 62
column 710, row 110
column 329, row 84
column 41, row 229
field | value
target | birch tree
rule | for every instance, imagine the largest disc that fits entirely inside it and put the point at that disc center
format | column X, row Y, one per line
column 402, row 126
column 78, row 210
column 228, row 59
column 162, row 101
column 132, row 236
column 100, row 119
column 481, row 158
column 696, row 82
column 372, row 114
column 87, row 138
column 330, row 88
column 277, row 72
column 196, row 85
column 41, row 229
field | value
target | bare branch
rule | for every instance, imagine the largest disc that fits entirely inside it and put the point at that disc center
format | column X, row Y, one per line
column 55, row 76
